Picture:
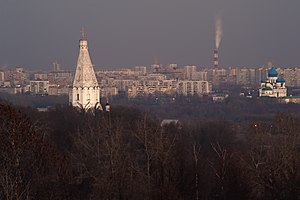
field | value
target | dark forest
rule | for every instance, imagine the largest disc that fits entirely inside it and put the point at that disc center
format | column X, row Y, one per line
column 68, row 153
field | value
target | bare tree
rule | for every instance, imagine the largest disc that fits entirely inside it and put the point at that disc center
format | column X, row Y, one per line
column 196, row 152
column 273, row 159
column 221, row 168
column 26, row 159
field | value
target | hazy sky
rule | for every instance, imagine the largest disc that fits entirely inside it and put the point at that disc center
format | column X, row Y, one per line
column 35, row 33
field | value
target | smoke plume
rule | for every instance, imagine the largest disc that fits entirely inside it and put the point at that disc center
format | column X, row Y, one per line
column 219, row 32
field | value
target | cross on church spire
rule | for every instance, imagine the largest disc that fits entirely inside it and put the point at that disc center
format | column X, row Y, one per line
column 82, row 33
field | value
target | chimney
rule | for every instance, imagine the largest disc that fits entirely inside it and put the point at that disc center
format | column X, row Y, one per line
column 216, row 58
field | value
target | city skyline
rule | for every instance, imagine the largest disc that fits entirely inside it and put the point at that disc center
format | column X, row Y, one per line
column 35, row 34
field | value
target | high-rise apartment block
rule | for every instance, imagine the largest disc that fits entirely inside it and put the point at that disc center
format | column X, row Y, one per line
column 189, row 72
column 190, row 88
column 39, row 87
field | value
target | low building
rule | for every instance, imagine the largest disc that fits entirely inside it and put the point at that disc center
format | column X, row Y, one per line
column 168, row 122
column 2, row 77
column 109, row 91
column 290, row 99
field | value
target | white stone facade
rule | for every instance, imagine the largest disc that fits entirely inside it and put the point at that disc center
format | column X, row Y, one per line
column 85, row 92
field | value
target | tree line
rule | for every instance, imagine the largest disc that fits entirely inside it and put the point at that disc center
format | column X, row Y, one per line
column 126, row 154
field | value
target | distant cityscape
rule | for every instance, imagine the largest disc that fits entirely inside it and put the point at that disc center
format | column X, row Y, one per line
column 86, row 86
column 156, row 79
column 168, row 79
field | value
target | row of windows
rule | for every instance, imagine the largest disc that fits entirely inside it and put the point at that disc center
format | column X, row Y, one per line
column 95, row 87
column 88, row 97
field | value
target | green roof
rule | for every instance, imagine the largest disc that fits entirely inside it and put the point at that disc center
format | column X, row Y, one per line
column 267, row 88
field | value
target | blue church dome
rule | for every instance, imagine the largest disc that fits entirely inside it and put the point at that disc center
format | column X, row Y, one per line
column 272, row 72
column 280, row 80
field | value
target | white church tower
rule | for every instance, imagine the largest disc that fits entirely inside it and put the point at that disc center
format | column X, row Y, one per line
column 85, row 92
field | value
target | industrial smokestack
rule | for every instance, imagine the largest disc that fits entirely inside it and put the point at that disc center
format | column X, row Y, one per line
column 216, row 58
column 218, row 38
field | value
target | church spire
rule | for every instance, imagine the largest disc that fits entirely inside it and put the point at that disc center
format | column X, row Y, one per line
column 84, row 75
column 86, row 91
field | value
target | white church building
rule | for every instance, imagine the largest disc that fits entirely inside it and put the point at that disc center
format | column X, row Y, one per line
column 85, row 91
column 273, row 86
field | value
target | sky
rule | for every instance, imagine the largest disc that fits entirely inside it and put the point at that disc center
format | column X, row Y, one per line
column 35, row 33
